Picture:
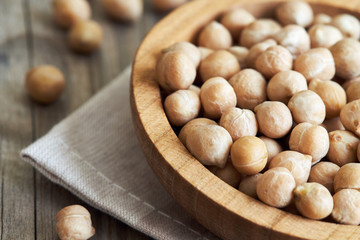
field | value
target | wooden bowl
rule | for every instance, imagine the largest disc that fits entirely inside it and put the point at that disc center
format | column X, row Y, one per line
column 222, row 209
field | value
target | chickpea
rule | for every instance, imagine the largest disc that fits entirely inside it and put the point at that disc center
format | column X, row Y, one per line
column 346, row 54
column 294, row 38
column 353, row 91
column 188, row 48
column 350, row 116
column 275, row 187
column 313, row 200
column 204, row 52
column 219, row 64
column 333, row 124
column 295, row 12
column 239, row 123
column 272, row 147
column 316, row 63
column 248, row 185
column 186, row 130
column 182, row 106
column 275, row 59
column 256, row 50
column 175, row 71
column 307, row 106
column 322, row 18
column 45, row 83
column 240, row 53
column 274, row 119
column 343, row 147
column 195, row 89
column 249, row 155
column 228, row 174
column 68, row 12
column 217, row 96
column 347, row 207
column 74, row 222
column 210, row 144
column 324, row 174
column 236, row 20
column 258, row 31
column 124, row 10
column 85, row 36
column 348, row 25
column 347, row 84
column 283, row 85
column 348, row 177
column 250, row 88
column 166, row 5
column 324, row 36
column 215, row 36
column 310, row 139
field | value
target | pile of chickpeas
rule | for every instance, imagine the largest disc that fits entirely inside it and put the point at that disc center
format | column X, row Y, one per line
column 273, row 107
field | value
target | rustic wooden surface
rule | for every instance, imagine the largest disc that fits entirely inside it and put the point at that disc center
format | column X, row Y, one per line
column 29, row 37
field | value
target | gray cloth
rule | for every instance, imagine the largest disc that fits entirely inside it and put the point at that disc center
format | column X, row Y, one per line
column 94, row 154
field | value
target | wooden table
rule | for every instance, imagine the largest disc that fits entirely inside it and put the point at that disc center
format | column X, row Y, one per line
column 29, row 37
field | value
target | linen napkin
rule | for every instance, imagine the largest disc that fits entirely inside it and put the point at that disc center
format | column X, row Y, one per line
column 94, row 154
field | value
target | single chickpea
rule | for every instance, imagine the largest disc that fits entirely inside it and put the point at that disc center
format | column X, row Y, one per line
column 239, row 123
column 331, row 93
column 186, row 130
column 294, row 38
column 74, row 222
column 188, row 48
column 248, row 185
column 240, row 53
column 274, row 119
column 124, row 10
column 182, row 106
column 353, row 91
column 215, row 36
column 295, row 12
column 324, row 174
column 322, row 18
column 333, row 124
column 350, row 116
column 313, row 200
column 166, row 5
column 283, row 85
column 250, row 88
column 307, row 106
column 316, row 63
column 68, row 12
column 249, row 155
column 272, row 146
column 275, row 187
column 343, row 147
column 324, row 36
column 217, row 96
column 310, row 139
column 219, row 64
column 175, row 71
column 210, row 144
column 236, row 20
column 195, row 89
column 85, row 36
column 45, row 83
column 204, row 52
column 275, row 59
column 258, row 31
column 348, row 25
column 347, row 207
column 346, row 54
column 228, row 174
column 256, row 50
column 347, row 83
column 348, row 177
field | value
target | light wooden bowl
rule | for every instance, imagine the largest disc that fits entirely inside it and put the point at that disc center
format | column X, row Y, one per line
column 222, row 209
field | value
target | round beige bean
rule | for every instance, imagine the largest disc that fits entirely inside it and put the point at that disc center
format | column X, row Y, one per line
column 240, row 53
column 85, row 36
column 322, row 18
column 215, row 36
column 324, row 36
column 343, row 147
column 350, row 116
column 167, row 5
column 188, row 48
column 186, row 130
column 228, row 174
column 348, row 25
column 256, row 50
column 124, row 10
column 353, row 91
column 204, row 52
column 248, row 185
column 294, row 38
column 348, row 177
column 324, row 174
column 235, row 20
column 68, row 12
column 347, row 83
column 272, row 147
column 347, row 207
column 295, row 12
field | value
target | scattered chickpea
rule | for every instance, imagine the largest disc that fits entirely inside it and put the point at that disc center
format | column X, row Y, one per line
column 353, row 91
column 322, row 18
column 295, row 12
column 45, row 83
column 324, row 174
column 124, row 10
column 68, row 12
column 240, row 53
column 350, row 116
column 204, row 52
column 347, row 207
column 316, row 63
column 348, row 25
column 343, row 147
column 85, row 36
column 228, row 174
column 74, row 222
column 219, row 64
column 313, row 200
column 283, row 85
column 310, row 139
column 256, row 50
column 166, row 5
column 272, row 147
column 348, row 177
column 333, row 124
column 274, row 119
column 186, row 130
column 236, row 20
column 332, row 94
column 248, row 185
column 324, row 36
column 250, row 88
column 275, row 59
column 275, row 187
column 217, row 96
column 215, row 36
column 188, row 48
